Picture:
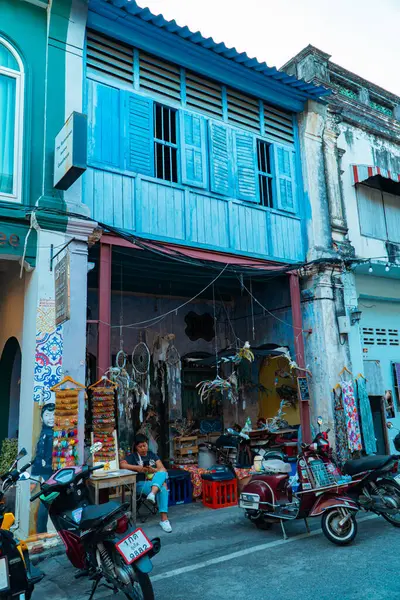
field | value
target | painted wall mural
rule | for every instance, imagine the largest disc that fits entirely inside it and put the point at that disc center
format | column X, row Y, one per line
column 49, row 349
column 48, row 372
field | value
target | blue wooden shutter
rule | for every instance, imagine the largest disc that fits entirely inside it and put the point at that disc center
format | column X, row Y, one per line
column 139, row 134
column 104, row 137
column 193, row 149
column 220, row 158
column 246, row 175
column 285, row 180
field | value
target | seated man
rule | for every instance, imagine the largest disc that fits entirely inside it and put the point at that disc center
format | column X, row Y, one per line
column 151, row 477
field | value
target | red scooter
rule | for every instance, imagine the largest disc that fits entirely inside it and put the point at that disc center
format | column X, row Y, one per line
column 269, row 497
column 100, row 541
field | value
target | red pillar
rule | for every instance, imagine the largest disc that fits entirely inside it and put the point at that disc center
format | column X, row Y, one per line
column 299, row 350
column 104, row 331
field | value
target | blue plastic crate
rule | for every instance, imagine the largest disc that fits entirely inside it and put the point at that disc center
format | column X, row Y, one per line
column 180, row 488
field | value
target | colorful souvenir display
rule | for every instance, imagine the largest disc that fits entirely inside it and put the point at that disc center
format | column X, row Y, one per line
column 104, row 422
column 65, row 433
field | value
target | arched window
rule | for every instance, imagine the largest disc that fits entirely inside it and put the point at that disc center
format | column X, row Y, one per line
column 11, row 122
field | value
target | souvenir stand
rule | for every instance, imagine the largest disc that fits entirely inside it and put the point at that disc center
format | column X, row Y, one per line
column 104, row 425
column 65, row 440
column 105, row 432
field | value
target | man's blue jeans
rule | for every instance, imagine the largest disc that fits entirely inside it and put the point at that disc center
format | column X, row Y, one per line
column 162, row 497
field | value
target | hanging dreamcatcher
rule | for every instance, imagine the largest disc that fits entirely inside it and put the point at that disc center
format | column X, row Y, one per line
column 174, row 367
column 141, row 372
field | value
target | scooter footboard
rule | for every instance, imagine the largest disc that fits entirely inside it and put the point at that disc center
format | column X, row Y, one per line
column 328, row 501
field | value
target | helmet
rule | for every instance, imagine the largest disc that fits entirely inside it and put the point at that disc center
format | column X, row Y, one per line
column 396, row 442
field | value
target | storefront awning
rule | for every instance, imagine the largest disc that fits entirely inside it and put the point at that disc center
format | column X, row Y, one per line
column 361, row 173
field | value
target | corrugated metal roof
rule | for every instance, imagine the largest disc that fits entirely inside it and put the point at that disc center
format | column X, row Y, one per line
column 308, row 89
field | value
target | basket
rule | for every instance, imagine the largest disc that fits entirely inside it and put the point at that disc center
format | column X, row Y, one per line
column 220, row 494
column 321, row 475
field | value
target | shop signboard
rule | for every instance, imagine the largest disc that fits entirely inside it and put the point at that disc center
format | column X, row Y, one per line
column 12, row 242
column 62, row 290
column 70, row 152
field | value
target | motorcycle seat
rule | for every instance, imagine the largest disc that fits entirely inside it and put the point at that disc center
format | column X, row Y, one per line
column 276, row 466
column 368, row 463
column 93, row 514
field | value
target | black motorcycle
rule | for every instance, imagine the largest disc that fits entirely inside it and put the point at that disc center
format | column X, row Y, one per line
column 18, row 576
column 101, row 541
column 372, row 482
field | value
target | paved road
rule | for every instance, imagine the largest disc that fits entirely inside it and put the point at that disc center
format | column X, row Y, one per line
column 220, row 555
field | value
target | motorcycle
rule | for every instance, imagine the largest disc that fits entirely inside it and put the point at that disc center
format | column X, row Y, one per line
column 269, row 497
column 230, row 443
column 100, row 540
column 18, row 576
column 373, row 486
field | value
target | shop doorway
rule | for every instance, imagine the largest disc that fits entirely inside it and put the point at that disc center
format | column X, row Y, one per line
column 379, row 420
column 10, row 377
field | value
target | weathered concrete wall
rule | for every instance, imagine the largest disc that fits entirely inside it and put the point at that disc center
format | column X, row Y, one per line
column 363, row 148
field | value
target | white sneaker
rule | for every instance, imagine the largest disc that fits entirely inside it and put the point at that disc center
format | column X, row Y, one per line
column 166, row 526
column 151, row 498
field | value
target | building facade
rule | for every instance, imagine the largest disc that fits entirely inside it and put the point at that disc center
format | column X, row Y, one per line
column 353, row 157
column 41, row 48
column 194, row 174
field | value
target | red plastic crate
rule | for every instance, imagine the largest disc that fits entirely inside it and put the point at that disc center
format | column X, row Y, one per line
column 220, row 494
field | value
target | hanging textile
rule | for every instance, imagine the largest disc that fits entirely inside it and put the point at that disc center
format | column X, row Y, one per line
column 342, row 446
column 351, row 414
column 367, row 424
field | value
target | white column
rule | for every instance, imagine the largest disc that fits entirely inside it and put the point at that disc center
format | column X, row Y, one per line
column 50, row 352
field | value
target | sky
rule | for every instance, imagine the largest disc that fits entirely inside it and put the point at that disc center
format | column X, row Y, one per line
column 360, row 35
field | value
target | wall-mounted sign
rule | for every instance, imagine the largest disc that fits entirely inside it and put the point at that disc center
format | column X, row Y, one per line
column 70, row 153
column 304, row 392
column 9, row 239
column 12, row 242
column 62, row 294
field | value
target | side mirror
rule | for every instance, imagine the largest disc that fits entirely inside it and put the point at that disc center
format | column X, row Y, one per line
column 320, row 421
column 389, row 425
column 96, row 448
column 21, row 454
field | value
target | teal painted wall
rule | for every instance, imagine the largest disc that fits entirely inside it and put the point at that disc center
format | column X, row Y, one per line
column 25, row 27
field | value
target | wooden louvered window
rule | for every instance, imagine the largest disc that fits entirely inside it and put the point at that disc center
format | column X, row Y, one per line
column 243, row 110
column 159, row 76
column 203, row 94
column 165, row 143
column 106, row 56
column 278, row 124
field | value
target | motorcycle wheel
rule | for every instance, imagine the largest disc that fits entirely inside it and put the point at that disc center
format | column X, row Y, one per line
column 341, row 536
column 142, row 589
column 261, row 523
column 393, row 490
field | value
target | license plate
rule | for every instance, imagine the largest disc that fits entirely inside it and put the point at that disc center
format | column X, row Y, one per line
column 4, row 576
column 246, row 504
column 135, row 545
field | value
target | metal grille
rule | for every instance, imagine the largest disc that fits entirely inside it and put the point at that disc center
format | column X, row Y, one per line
column 203, row 94
column 157, row 75
column 264, row 173
column 165, row 146
column 278, row 124
column 243, row 110
column 109, row 57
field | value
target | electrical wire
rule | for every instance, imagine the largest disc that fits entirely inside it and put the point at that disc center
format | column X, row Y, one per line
column 159, row 318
